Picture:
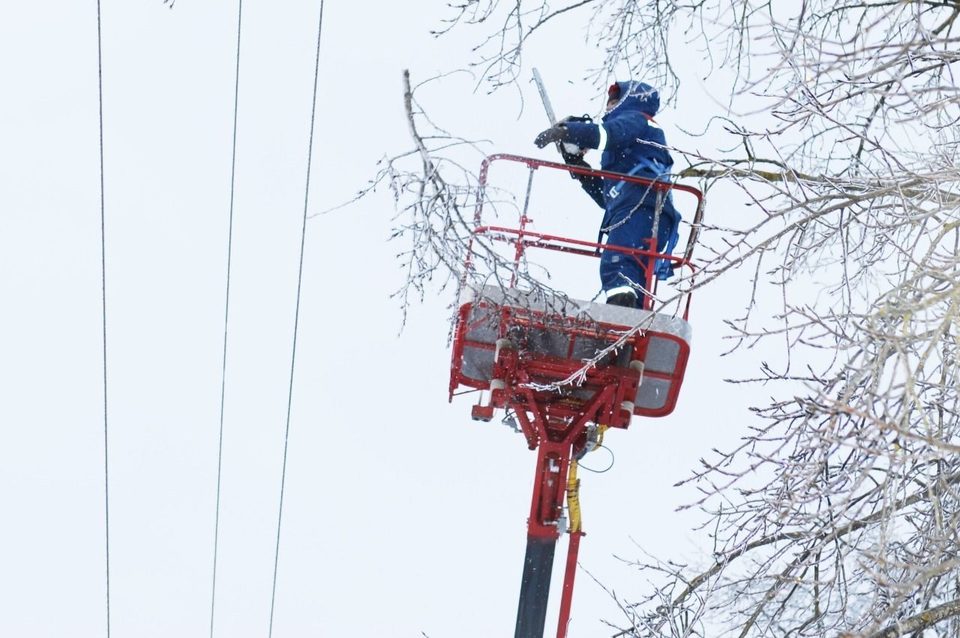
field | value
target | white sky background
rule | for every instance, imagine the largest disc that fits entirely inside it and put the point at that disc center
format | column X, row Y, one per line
column 401, row 515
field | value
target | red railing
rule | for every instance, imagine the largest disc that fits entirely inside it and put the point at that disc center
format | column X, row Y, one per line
column 522, row 238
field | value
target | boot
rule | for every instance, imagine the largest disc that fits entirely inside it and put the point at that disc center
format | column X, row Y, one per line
column 626, row 299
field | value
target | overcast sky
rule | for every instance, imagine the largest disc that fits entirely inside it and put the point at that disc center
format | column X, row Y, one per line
column 401, row 514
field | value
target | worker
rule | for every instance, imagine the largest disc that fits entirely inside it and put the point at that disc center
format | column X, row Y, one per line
column 632, row 143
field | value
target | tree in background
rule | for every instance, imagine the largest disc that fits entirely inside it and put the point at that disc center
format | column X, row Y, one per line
column 838, row 513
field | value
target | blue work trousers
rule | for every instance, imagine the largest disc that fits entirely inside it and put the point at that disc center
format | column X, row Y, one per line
column 629, row 222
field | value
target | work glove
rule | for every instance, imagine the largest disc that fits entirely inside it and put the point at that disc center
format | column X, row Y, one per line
column 566, row 148
column 556, row 133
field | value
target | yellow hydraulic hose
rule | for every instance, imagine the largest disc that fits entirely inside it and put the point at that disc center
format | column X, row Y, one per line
column 601, row 428
column 573, row 497
column 573, row 485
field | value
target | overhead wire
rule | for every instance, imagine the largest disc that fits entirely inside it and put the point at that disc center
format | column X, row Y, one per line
column 296, row 320
column 226, row 318
column 103, row 300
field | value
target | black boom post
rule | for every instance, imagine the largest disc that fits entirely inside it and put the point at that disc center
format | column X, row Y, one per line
column 535, row 587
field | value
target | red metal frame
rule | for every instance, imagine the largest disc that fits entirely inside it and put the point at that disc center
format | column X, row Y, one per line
column 544, row 369
column 552, row 420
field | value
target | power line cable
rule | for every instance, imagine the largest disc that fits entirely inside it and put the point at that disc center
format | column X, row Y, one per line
column 226, row 317
column 103, row 298
column 296, row 319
